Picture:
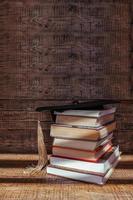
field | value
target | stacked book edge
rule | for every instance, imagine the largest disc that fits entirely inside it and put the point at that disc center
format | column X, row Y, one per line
column 82, row 148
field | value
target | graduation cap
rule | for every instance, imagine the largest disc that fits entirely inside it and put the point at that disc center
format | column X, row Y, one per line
column 92, row 104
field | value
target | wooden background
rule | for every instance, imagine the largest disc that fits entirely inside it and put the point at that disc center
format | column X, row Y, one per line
column 53, row 52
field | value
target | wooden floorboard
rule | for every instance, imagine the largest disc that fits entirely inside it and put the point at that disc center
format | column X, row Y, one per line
column 16, row 185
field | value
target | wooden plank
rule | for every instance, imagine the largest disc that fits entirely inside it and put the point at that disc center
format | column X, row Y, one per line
column 124, row 116
column 125, row 108
column 22, row 124
column 125, row 126
column 67, row 62
column 22, row 140
column 131, row 11
column 105, row 8
column 22, row 85
column 24, row 115
column 124, row 139
column 104, row 87
column 98, row 24
column 18, row 141
column 63, row 10
column 13, row 178
column 57, row 87
column 31, row 104
column 115, row 67
column 131, row 82
column 41, row 41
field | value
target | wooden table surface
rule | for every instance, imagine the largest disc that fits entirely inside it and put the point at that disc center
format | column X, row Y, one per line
column 15, row 185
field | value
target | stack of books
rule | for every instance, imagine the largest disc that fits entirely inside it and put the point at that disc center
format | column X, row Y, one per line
column 82, row 148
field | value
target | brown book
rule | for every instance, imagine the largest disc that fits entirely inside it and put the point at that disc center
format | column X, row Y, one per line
column 61, row 131
column 84, row 121
column 82, row 144
column 80, row 154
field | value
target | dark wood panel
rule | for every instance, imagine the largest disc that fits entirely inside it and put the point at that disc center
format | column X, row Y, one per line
column 31, row 104
column 45, row 42
column 24, row 115
column 60, row 87
column 22, row 124
column 105, row 87
column 124, row 116
column 38, row 12
column 124, row 139
column 18, row 141
column 125, row 108
column 22, row 140
column 53, row 52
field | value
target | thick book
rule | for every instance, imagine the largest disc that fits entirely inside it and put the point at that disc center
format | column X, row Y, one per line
column 100, row 167
column 88, row 113
column 82, row 144
column 84, row 121
column 81, row 175
column 84, row 155
column 61, row 131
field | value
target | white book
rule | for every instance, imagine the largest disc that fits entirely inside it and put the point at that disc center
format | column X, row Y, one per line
column 100, row 167
column 83, row 121
column 82, row 144
column 81, row 176
column 88, row 113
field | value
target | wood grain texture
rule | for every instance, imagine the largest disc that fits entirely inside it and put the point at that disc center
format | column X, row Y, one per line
column 53, row 52
column 45, row 34
column 23, row 140
column 30, row 105
column 25, row 115
column 15, row 185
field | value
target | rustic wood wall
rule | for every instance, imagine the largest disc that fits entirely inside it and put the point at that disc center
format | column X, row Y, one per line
column 56, row 51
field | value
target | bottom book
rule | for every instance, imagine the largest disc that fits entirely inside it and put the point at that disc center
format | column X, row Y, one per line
column 100, row 167
column 81, row 175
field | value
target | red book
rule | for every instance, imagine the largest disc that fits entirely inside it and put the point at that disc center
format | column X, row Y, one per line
column 84, row 155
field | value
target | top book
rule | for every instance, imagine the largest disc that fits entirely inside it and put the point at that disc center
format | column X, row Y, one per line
column 88, row 113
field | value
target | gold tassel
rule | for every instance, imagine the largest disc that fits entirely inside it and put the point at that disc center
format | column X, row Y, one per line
column 42, row 153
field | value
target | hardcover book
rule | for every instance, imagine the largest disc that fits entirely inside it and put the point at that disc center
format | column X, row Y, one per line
column 80, row 121
column 84, row 155
column 100, row 167
column 61, row 131
column 81, row 175
column 82, row 144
